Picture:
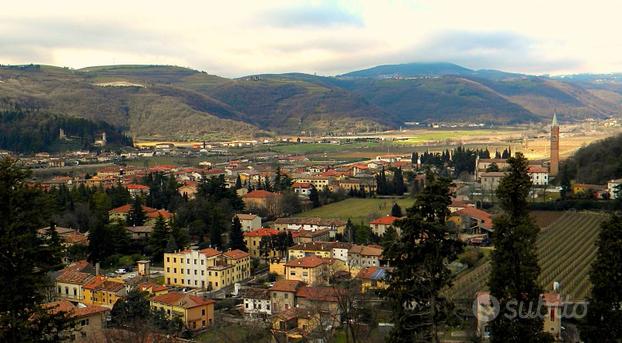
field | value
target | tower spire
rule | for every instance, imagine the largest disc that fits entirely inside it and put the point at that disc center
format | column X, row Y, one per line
column 554, row 123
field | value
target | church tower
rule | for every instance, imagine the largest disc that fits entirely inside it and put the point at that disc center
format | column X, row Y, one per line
column 554, row 167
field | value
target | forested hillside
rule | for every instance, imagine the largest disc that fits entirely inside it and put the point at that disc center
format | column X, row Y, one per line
column 596, row 163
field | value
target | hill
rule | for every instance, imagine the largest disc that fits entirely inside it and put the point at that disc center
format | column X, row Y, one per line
column 172, row 102
column 566, row 249
column 598, row 162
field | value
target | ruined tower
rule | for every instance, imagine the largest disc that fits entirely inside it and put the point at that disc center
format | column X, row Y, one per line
column 554, row 167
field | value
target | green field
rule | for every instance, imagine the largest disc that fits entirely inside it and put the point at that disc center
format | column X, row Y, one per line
column 565, row 250
column 309, row 148
column 358, row 210
column 443, row 135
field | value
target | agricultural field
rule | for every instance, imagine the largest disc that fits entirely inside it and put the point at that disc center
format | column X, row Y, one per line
column 565, row 249
column 358, row 210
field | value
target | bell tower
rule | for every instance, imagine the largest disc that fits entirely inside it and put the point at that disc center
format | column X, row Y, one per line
column 554, row 165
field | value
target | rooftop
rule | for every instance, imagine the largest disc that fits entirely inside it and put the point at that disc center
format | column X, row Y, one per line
column 181, row 300
column 386, row 220
column 261, row 232
column 286, row 286
column 310, row 261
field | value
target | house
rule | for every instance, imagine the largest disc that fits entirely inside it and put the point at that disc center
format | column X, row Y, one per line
column 262, row 199
column 249, row 221
column 361, row 256
column 136, row 190
column 68, row 236
column 69, row 285
column 312, row 270
column 307, row 236
column 195, row 312
column 324, row 300
column 206, row 269
column 310, row 223
column 257, row 302
column 104, row 291
column 140, row 232
column 319, row 182
column 152, row 288
column 252, row 239
column 120, row 214
column 189, row 189
column 303, row 189
column 283, row 294
column 490, row 181
column 320, row 249
column 472, row 220
column 539, row 175
column 372, row 278
column 295, row 325
column 482, row 165
column 380, row 225
column 89, row 320
column 594, row 191
column 366, row 183
column 613, row 187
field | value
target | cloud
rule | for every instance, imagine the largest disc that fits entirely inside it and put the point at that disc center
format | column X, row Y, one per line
column 321, row 16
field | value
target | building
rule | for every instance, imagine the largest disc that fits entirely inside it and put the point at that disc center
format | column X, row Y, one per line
column 257, row 302
column 68, row 236
column 554, row 165
column 252, row 239
column 120, row 214
column 307, row 236
column 104, row 291
column 249, row 221
column 333, row 225
column 152, row 288
column 206, row 269
column 319, row 182
column 140, row 232
column 312, row 270
column 539, row 175
column 283, row 294
column 335, row 250
column 303, row 189
column 89, row 320
column 195, row 312
column 324, row 300
column 490, row 181
column 69, row 285
column 262, row 199
column 613, row 187
column 372, row 278
column 136, row 190
column 295, row 325
column 380, row 225
column 472, row 220
column 361, row 256
column 482, row 165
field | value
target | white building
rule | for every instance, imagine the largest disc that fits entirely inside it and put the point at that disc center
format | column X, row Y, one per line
column 612, row 188
column 249, row 221
column 257, row 302
column 539, row 175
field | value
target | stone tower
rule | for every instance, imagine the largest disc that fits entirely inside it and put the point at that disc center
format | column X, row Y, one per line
column 554, row 167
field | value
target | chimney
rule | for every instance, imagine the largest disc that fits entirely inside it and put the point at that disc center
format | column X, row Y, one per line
column 97, row 268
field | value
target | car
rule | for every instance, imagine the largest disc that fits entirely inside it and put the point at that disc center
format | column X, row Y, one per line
column 120, row 271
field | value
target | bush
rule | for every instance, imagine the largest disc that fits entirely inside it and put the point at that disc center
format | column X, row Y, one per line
column 470, row 256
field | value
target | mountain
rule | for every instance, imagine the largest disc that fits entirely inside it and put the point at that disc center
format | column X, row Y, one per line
column 171, row 102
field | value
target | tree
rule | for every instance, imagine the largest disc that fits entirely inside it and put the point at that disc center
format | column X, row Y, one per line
column 236, row 237
column 398, row 182
column 515, row 269
column 349, row 231
column 238, row 182
column 136, row 216
column 314, row 197
column 419, row 258
column 604, row 314
column 565, row 187
column 23, row 267
column 396, row 210
column 99, row 246
column 493, row 167
column 159, row 239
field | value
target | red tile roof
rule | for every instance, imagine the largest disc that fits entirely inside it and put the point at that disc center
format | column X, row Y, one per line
column 75, row 277
column 182, row 300
column 137, row 187
column 477, row 214
column 151, row 287
column 126, row 209
column 74, row 311
column 258, row 194
column 236, row 254
column 371, row 273
column 387, row 220
column 319, row 293
column 310, row 261
column 537, row 169
column 164, row 213
column 301, row 185
column 261, row 232
column 209, row 252
column 286, row 286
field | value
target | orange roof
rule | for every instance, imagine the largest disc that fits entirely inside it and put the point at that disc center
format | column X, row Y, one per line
column 301, row 185
column 310, row 261
column 74, row 277
column 151, row 286
column 387, row 220
column 286, row 286
column 75, row 311
column 137, row 187
column 258, row 194
column 477, row 214
column 371, row 273
column 236, row 254
column 155, row 214
column 182, row 300
column 261, row 232
column 209, row 252
column 100, row 283
column 126, row 209
column 366, row 250
column 318, row 293
column 537, row 169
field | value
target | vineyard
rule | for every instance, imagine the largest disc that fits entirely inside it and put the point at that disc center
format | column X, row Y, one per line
column 565, row 249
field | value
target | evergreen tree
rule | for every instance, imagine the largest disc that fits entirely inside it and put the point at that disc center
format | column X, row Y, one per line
column 159, row 239
column 419, row 258
column 136, row 216
column 515, row 268
column 180, row 235
column 277, row 179
column 389, row 236
column 398, row 182
column 350, row 232
column 238, row 182
column 314, row 197
column 236, row 237
column 396, row 210
column 604, row 314
column 99, row 245
column 215, row 236
column 565, row 187
column 23, row 268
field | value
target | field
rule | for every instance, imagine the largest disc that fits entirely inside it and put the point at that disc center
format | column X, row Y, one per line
column 358, row 210
column 565, row 249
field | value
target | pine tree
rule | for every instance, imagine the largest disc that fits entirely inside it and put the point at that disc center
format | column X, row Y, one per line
column 419, row 258
column 349, row 231
column 314, row 197
column 396, row 210
column 136, row 216
column 180, row 235
column 515, row 268
column 565, row 187
column 236, row 237
column 604, row 314
column 159, row 239
column 99, row 245
column 23, row 269
column 238, row 182
column 53, row 248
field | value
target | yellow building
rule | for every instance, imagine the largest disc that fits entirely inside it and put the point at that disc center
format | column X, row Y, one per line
column 320, row 249
column 372, row 278
column 252, row 239
column 206, row 269
column 195, row 312
column 69, row 285
column 103, row 291
column 312, row 270
column 152, row 288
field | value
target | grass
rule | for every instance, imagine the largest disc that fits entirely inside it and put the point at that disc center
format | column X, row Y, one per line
column 308, row 148
column 358, row 210
column 443, row 135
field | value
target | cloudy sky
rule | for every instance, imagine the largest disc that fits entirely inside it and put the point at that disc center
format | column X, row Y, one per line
column 235, row 38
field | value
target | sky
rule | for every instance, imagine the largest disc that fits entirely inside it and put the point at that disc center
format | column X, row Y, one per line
column 236, row 38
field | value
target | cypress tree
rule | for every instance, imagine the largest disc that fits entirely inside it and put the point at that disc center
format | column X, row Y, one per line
column 136, row 216
column 515, row 269
column 159, row 239
column 314, row 197
column 238, row 182
column 396, row 210
column 236, row 237
column 604, row 314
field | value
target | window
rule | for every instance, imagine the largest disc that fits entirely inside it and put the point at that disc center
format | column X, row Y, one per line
column 195, row 261
column 174, row 270
column 168, row 280
column 195, row 282
column 274, row 295
column 286, row 295
column 168, row 259
column 182, row 281
column 75, row 292
column 188, row 270
column 175, row 280
column 246, row 305
column 174, row 259
column 66, row 290
column 60, row 291
column 168, row 269
column 202, row 273
column 202, row 284
column 202, row 262
column 188, row 261
column 203, row 312
column 203, row 323
column 216, row 283
column 181, row 270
